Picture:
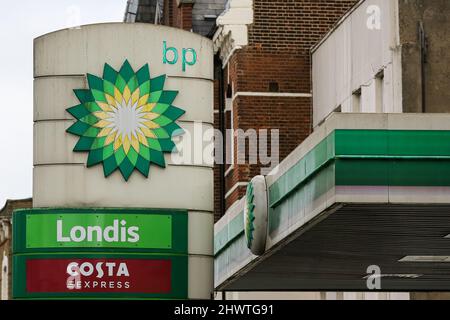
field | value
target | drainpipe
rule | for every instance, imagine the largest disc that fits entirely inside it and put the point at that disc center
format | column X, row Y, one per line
column 423, row 60
column 220, row 74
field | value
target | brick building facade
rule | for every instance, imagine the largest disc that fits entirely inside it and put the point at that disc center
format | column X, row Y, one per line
column 263, row 73
column 270, row 76
column 178, row 14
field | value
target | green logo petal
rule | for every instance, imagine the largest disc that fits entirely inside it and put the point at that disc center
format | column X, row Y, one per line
column 125, row 120
column 250, row 218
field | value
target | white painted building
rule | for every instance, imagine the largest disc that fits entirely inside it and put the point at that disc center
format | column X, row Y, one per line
column 357, row 66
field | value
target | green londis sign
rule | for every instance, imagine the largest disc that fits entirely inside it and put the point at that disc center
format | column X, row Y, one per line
column 90, row 230
column 65, row 229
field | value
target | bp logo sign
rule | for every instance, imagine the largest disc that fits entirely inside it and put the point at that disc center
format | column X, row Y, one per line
column 125, row 120
column 249, row 214
column 255, row 215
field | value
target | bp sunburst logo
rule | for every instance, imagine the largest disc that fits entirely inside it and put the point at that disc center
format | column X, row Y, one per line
column 249, row 214
column 125, row 120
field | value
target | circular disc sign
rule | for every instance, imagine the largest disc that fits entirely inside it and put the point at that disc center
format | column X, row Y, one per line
column 255, row 215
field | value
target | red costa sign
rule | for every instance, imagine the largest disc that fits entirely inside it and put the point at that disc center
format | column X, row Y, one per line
column 98, row 275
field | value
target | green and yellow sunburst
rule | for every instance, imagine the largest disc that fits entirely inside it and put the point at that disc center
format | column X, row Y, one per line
column 125, row 120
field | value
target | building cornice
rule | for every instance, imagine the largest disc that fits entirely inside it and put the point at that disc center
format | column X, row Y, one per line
column 232, row 32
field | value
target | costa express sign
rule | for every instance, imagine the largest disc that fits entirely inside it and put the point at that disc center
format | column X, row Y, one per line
column 101, row 275
column 100, row 230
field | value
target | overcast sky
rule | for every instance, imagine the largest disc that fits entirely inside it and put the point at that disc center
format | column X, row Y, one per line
column 21, row 22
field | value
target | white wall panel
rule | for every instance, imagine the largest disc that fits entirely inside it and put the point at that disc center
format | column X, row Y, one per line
column 86, row 50
column 175, row 187
column 53, row 95
column 53, row 145
column 351, row 56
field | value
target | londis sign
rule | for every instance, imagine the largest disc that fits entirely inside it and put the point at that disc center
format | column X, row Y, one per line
column 100, row 275
column 100, row 253
column 48, row 230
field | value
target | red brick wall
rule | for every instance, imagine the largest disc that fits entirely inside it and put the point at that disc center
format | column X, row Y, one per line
column 185, row 17
column 278, row 57
column 178, row 16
